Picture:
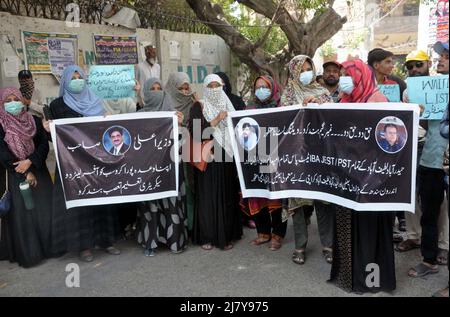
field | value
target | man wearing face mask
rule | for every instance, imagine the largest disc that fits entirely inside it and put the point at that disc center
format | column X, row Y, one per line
column 331, row 74
column 148, row 68
column 31, row 96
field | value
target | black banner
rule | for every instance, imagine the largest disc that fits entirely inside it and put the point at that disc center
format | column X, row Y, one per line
column 121, row 158
column 361, row 156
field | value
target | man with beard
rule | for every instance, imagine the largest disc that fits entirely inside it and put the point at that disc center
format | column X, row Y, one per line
column 331, row 75
column 418, row 64
column 148, row 68
column 431, row 187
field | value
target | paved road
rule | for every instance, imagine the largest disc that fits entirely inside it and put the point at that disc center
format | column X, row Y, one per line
column 243, row 271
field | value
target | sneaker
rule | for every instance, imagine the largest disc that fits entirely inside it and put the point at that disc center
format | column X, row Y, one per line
column 149, row 252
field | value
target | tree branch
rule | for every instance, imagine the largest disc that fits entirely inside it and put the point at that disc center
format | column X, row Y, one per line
column 291, row 27
column 263, row 39
column 241, row 46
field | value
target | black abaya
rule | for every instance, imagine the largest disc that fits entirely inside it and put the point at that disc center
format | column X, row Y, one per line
column 26, row 234
column 362, row 239
column 217, row 215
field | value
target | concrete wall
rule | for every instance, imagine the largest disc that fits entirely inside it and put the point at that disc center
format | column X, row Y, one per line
column 214, row 53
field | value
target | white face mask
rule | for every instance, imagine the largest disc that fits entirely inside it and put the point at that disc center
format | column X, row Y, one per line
column 214, row 94
column 346, row 84
column 306, row 77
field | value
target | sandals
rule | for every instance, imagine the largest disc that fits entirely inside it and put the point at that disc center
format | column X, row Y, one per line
column 442, row 257
column 261, row 239
column 207, row 247
column 86, row 256
column 299, row 257
column 228, row 247
column 421, row 270
column 407, row 245
column 441, row 293
column 328, row 255
column 275, row 243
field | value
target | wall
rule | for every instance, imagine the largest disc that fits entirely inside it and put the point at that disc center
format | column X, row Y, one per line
column 214, row 53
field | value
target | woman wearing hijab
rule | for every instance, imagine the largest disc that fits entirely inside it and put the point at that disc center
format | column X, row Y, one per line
column 238, row 104
column 162, row 221
column 182, row 99
column 126, row 212
column 179, row 90
column 79, row 229
column 216, row 216
column 237, row 101
column 361, row 237
column 265, row 212
column 301, row 89
column 23, row 151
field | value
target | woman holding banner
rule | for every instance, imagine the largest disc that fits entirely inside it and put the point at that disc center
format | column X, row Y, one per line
column 301, row 89
column 26, row 229
column 162, row 221
column 82, row 228
column 363, row 240
column 217, row 219
column 182, row 98
column 265, row 212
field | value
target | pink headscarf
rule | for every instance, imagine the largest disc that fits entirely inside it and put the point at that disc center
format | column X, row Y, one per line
column 20, row 129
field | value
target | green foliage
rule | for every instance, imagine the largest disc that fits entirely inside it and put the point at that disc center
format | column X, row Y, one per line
column 327, row 49
column 399, row 70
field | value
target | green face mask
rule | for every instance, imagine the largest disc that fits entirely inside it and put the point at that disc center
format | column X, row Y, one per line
column 76, row 85
column 14, row 107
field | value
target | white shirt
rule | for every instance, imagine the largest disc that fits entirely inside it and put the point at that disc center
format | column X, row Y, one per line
column 117, row 149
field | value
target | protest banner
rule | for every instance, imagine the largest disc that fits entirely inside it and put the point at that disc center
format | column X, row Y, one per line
column 117, row 159
column 360, row 156
column 112, row 81
column 431, row 92
column 392, row 92
column 115, row 50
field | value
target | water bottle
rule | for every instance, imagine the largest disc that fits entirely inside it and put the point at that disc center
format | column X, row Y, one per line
column 27, row 195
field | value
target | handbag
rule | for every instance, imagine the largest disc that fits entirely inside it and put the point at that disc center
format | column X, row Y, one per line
column 5, row 201
column 198, row 154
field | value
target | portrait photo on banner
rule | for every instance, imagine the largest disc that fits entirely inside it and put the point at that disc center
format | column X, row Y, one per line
column 248, row 133
column 116, row 140
column 391, row 134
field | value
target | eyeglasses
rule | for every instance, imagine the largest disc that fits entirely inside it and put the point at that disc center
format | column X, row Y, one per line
column 410, row 66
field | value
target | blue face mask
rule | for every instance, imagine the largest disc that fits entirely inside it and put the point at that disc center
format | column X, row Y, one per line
column 76, row 85
column 263, row 93
column 14, row 107
column 306, row 77
column 346, row 84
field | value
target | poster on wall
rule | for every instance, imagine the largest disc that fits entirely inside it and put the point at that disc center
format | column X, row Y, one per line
column 49, row 53
column 116, row 50
column 438, row 22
